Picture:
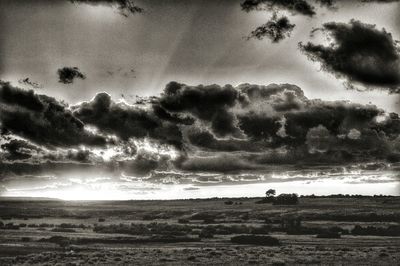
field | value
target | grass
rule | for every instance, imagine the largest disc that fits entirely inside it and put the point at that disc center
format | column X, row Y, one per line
column 354, row 230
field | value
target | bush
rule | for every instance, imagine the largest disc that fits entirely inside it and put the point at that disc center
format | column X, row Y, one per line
column 393, row 230
column 144, row 229
column 286, row 199
column 204, row 216
column 11, row 226
column 101, row 220
column 329, row 235
column 263, row 230
column 209, row 221
column 59, row 240
column 207, row 233
column 255, row 240
column 43, row 225
column 323, row 232
column 269, row 199
column 63, row 230
column 68, row 225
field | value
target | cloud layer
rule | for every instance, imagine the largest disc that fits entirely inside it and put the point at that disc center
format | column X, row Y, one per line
column 216, row 129
column 360, row 53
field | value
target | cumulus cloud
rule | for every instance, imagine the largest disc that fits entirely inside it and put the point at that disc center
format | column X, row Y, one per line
column 208, row 103
column 318, row 139
column 42, row 119
column 295, row 6
column 219, row 129
column 276, row 29
column 125, row 7
column 67, row 75
column 217, row 163
column 17, row 149
column 360, row 53
column 126, row 121
column 354, row 134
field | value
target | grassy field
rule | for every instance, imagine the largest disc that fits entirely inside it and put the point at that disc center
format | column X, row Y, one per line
column 327, row 231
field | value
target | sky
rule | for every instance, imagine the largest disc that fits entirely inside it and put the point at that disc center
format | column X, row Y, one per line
column 194, row 96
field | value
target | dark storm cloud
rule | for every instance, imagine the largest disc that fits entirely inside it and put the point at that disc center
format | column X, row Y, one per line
column 127, row 121
column 41, row 119
column 18, row 149
column 327, row 3
column 192, row 128
column 17, row 169
column 276, row 29
column 223, row 163
column 67, row 75
column 303, row 7
column 208, row 103
column 379, row 1
column 18, row 97
column 283, row 97
column 172, row 117
column 144, row 162
column 277, row 116
column 295, row 6
column 125, row 7
column 280, row 125
column 204, row 139
column 361, row 53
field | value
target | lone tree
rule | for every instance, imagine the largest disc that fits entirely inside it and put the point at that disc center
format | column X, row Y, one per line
column 270, row 193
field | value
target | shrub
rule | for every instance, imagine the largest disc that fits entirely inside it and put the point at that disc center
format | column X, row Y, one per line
column 266, row 200
column 393, row 230
column 46, row 225
column 207, row 233
column 329, row 235
column 255, row 240
column 204, row 216
column 68, row 225
column 101, row 220
column 63, row 230
column 11, row 226
column 209, row 221
column 263, row 230
column 144, row 229
column 286, row 199
column 59, row 240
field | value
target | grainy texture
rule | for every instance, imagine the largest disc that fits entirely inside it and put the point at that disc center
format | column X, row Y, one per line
column 174, row 232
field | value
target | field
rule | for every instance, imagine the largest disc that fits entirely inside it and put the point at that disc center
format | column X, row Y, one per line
column 318, row 230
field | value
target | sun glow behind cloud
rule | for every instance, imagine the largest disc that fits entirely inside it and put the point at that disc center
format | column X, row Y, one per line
column 205, row 186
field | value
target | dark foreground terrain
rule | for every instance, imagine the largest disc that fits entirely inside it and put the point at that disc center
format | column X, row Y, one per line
column 327, row 231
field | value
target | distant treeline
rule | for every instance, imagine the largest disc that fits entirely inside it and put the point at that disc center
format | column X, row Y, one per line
column 358, row 196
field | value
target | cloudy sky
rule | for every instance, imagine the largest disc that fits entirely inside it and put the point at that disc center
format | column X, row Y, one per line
column 153, row 99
